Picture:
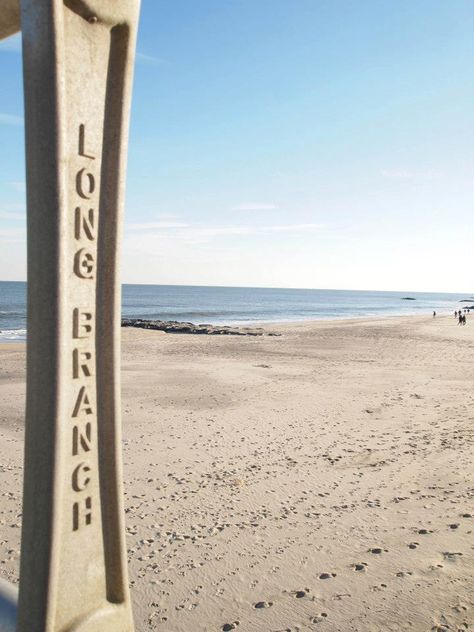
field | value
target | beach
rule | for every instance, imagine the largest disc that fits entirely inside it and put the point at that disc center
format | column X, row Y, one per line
column 320, row 480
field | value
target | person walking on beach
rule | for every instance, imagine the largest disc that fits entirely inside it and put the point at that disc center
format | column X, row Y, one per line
column 434, row 314
column 456, row 314
column 460, row 318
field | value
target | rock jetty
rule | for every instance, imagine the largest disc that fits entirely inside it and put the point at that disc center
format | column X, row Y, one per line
column 175, row 327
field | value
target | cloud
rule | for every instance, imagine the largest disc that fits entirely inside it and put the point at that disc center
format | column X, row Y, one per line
column 10, row 119
column 215, row 231
column 12, row 215
column 155, row 226
column 200, row 234
column 11, row 44
column 12, row 235
column 403, row 174
column 149, row 60
column 18, row 185
column 294, row 228
column 256, row 206
column 397, row 174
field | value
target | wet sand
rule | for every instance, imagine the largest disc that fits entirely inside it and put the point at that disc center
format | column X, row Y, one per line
column 321, row 480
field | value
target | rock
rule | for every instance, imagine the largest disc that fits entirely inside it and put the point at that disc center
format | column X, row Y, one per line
column 175, row 327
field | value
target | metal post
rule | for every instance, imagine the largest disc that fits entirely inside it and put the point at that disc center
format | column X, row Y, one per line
column 78, row 63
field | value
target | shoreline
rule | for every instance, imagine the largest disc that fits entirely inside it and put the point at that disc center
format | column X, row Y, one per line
column 286, row 324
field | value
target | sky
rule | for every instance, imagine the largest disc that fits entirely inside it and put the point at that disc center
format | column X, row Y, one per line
column 287, row 143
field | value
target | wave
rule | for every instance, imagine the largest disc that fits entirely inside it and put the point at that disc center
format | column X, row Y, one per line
column 12, row 335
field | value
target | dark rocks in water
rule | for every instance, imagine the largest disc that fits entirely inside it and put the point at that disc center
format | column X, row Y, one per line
column 466, row 300
column 175, row 327
column 408, row 298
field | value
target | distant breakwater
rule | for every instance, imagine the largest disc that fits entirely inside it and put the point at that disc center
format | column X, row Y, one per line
column 175, row 327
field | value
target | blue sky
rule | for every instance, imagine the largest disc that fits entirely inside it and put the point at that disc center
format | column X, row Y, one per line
column 287, row 143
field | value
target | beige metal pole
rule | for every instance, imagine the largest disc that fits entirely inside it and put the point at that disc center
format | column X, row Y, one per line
column 78, row 63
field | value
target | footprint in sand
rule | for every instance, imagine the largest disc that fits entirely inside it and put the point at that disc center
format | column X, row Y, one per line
column 319, row 618
column 327, row 575
column 361, row 568
column 263, row 604
column 227, row 627
column 377, row 551
column 448, row 555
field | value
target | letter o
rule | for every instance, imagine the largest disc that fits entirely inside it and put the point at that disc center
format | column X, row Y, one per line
column 85, row 184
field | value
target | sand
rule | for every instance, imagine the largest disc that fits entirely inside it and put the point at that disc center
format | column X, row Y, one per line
column 322, row 480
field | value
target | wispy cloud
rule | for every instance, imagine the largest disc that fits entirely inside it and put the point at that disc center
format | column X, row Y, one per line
column 18, row 185
column 294, row 228
column 145, row 226
column 10, row 119
column 256, row 206
column 12, row 215
column 186, row 232
column 198, row 242
column 12, row 235
column 404, row 174
column 150, row 60
column 11, row 44
column 215, row 231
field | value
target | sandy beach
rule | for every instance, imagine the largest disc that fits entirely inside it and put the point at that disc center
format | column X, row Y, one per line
column 321, row 480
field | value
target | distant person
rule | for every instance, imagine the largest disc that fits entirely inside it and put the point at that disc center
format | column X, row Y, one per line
column 464, row 319
column 460, row 318
column 434, row 314
column 456, row 313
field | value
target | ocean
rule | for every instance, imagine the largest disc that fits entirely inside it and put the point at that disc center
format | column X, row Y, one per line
column 240, row 305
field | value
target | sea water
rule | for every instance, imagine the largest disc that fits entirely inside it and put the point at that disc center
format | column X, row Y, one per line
column 241, row 305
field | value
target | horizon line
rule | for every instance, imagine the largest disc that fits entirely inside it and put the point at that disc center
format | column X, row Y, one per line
column 265, row 287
